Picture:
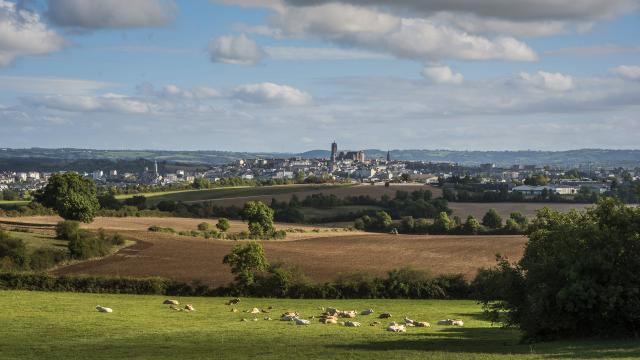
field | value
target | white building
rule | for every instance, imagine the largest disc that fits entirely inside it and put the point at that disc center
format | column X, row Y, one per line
column 97, row 175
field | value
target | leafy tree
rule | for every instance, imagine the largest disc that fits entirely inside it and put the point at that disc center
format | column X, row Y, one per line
column 519, row 218
column 259, row 216
column 201, row 183
column 407, row 224
column 245, row 261
column 67, row 230
column 203, row 226
column 71, row 196
column 223, row 224
column 537, row 180
column 9, row 195
column 442, row 223
column 492, row 219
column 471, row 226
column 578, row 275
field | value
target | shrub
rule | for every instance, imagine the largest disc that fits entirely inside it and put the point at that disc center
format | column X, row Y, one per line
column 14, row 250
column 67, row 230
column 44, row 258
column 223, row 224
column 204, row 226
column 492, row 219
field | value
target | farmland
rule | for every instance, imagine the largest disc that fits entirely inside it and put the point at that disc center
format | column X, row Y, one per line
column 322, row 255
column 66, row 325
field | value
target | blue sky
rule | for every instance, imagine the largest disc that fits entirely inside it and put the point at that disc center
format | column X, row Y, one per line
column 292, row 75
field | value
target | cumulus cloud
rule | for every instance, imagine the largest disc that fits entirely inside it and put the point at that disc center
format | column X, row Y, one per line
column 547, row 80
column 201, row 92
column 97, row 14
column 22, row 33
column 238, row 50
column 410, row 38
column 442, row 75
column 627, row 71
column 269, row 93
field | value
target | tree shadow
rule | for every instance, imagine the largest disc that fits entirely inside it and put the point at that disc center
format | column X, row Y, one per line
column 498, row 341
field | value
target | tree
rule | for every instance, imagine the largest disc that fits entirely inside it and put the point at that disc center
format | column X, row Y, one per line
column 245, row 261
column 471, row 226
column 71, row 196
column 138, row 201
column 520, row 219
column 203, row 226
column 223, row 224
column 537, row 180
column 442, row 223
column 492, row 219
column 201, row 183
column 260, row 218
column 109, row 201
column 578, row 275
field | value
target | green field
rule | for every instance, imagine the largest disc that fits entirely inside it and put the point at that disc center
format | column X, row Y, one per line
column 36, row 240
column 14, row 202
column 38, row 325
column 226, row 192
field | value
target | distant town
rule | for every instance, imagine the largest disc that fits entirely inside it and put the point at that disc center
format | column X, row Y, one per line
column 352, row 166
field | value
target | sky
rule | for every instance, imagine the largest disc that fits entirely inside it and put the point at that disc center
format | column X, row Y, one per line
column 294, row 75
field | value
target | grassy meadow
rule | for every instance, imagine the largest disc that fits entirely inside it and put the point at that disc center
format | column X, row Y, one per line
column 38, row 325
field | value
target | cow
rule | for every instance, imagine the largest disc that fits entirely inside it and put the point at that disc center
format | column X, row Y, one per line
column 189, row 307
column 367, row 312
column 384, row 316
column 352, row 324
column 395, row 327
column 171, row 302
column 235, row 301
column 302, row 321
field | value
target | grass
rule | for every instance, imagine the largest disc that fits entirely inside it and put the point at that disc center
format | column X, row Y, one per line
column 14, row 202
column 66, row 325
column 35, row 240
column 166, row 193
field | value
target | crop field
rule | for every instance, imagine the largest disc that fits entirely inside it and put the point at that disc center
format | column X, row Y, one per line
column 67, row 326
column 36, row 240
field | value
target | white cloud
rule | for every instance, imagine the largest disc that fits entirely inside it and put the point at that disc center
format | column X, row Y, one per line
column 410, row 38
column 105, row 103
column 22, row 33
column 627, row 71
column 238, row 50
column 311, row 53
column 50, row 85
column 95, row 14
column 269, row 93
column 442, row 75
column 547, row 80
column 195, row 93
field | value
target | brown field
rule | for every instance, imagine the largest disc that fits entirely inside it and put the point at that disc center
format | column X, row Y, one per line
column 504, row 209
column 322, row 256
column 375, row 191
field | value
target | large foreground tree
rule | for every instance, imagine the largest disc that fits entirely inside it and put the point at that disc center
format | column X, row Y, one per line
column 71, row 196
column 578, row 276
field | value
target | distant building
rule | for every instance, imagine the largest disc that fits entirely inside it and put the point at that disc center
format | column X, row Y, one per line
column 352, row 155
column 334, row 151
column 388, row 155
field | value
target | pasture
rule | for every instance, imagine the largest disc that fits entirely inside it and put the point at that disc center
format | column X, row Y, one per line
column 67, row 326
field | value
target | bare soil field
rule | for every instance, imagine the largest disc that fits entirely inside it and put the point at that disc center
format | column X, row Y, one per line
column 322, row 256
column 277, row 192
column 504, row 209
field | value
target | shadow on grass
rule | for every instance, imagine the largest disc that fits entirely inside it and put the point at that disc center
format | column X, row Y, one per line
column 498, row 341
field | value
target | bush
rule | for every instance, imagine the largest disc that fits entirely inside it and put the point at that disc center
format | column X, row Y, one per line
column 204, row 226
column 223, row 224
column 14, row 251
column 492, row 219
column 156, row 228
column 44, row 258
column 67, row 230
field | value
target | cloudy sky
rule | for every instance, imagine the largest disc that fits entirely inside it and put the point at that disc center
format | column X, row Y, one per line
column 293, row 75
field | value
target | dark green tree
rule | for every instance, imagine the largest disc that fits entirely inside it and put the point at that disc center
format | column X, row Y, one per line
column 245, row 261
column 13, row 249
column 260, row 218
column 471, row 226
column 71, row 196
column 492, row 219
